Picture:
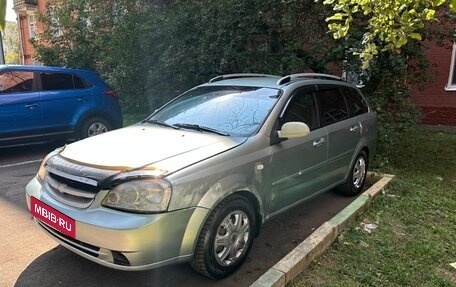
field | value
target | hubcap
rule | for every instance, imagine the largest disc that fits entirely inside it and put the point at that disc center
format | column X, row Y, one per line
column 231, row 238
column 96, row 129
column 359, row 172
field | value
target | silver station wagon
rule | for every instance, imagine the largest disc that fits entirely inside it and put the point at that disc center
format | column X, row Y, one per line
column 195, row 181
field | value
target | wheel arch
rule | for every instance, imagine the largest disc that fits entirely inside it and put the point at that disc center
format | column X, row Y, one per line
column 202, row 214
column 204, row 260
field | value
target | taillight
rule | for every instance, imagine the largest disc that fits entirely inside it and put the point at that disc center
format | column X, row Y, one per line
column 110, row 92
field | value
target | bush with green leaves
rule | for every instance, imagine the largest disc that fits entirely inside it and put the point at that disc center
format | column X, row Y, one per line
column 150, row 51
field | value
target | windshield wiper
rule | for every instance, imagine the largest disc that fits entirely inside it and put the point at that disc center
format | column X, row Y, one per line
column 160, row 123
column 201, row 128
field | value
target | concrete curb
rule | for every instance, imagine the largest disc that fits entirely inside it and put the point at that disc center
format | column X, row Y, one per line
column 314, row 245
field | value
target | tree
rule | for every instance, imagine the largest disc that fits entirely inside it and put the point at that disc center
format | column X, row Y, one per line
column 11, row 43
column 152, row 50
column 389, row 24
column 2, row 14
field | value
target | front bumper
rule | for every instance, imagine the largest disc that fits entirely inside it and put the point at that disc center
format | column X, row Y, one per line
column 122, row 240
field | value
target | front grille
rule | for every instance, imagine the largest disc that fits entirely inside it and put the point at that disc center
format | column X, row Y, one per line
column 72, row 190
column 72, row 183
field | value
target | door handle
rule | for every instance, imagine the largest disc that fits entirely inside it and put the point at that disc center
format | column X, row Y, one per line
column 31, row 106
column 319, row 142
column 354, row 128
column 82, row 100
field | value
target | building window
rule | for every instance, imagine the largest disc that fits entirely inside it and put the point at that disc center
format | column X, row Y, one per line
column 451, row 86
column 32, row 25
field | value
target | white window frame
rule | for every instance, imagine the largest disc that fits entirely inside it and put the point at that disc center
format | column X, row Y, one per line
column 451, row 85
column 32, row 25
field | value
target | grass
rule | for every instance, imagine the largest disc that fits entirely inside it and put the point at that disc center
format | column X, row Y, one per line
column 415, row 240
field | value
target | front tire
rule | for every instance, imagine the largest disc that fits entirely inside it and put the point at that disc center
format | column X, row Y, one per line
column 357, row 176
column 225, row 239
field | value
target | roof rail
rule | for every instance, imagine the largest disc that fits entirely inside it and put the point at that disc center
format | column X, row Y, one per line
column 288, row 78
column 233, row 76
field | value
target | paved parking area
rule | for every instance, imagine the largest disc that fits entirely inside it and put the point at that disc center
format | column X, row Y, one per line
column 29, row 258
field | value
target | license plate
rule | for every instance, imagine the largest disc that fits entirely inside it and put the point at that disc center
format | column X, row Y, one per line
column 52, row 217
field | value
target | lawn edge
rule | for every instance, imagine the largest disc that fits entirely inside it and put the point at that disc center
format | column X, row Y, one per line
column 313, row 246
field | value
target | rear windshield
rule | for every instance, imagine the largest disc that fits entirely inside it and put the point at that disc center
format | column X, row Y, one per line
column 237, row 111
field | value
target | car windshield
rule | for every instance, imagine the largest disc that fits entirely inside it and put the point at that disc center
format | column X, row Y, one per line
column 234, row 111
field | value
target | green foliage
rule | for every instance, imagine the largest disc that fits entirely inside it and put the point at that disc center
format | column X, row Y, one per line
column 11, row 43
column 2, row 14
column 388, row 92
column 389, row 24
column 149, row 51
column 12, row 58
column 387, row 87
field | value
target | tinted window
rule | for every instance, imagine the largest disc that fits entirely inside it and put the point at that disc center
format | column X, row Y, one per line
column 302, row 108
column 16, row 82
column 332, row 103
column 78, row 82
column 60, row 81
column 239, row 111
column 355, row 101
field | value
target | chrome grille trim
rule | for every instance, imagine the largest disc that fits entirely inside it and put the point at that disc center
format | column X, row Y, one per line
column 64, row 188
column 68, row 199
column 58, row 186
column 80, row 179
column 73, row 184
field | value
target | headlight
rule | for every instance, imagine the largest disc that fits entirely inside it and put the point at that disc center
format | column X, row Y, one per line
column 42, row 171
column 146, row 195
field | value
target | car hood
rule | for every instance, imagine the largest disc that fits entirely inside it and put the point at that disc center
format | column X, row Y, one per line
column 160, row 149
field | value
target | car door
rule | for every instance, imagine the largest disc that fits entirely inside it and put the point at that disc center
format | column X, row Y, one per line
column 20, row 109
column 299, row 165
column 64, row 97
column 344, row 131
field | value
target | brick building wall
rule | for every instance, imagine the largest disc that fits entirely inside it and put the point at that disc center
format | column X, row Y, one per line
column 27, row 11
column 437, row 104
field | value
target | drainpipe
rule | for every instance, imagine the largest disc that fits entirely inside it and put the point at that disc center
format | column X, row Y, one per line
column 21, row 39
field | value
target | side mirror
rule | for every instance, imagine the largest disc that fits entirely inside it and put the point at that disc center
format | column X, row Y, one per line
column 293, row 130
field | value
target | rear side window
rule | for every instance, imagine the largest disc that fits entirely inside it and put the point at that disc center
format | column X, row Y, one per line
column 332, row 104
column 61, row 81
column 355, row 102
column 16, row 82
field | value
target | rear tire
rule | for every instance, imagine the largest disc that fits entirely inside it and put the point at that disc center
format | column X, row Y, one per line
column 93, row 126
column 226, row 238
column 357, row 176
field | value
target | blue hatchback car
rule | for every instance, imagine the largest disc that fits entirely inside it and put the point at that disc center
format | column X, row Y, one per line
column 39, row 103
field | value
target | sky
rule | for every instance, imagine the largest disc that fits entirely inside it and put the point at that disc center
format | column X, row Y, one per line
column 10, row 15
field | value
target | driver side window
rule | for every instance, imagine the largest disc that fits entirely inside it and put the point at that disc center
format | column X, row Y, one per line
column 302, row 108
